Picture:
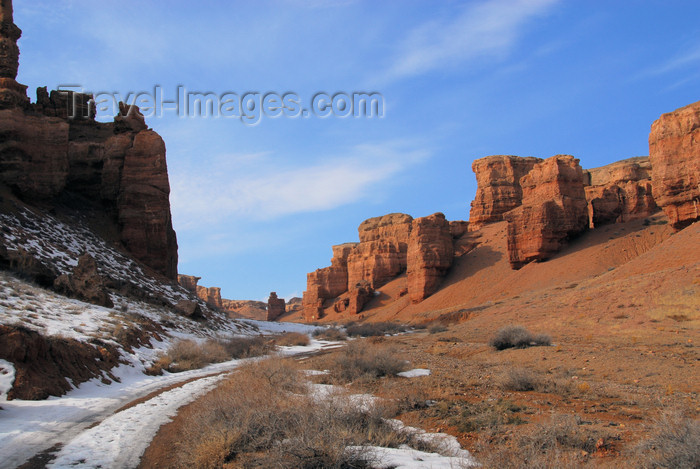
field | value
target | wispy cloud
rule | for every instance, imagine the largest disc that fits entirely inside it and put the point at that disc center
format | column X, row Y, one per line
column 262, row 190
column 689, row 57
column 488, row 28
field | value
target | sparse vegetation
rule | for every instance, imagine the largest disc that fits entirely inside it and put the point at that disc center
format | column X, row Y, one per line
column 674, row 442
column 518, row 337
column 262, row 418
column 367, row 361
column 186, row 355
column 331, row 334
column 290, row 339
column 437, row 328
column 375, row 329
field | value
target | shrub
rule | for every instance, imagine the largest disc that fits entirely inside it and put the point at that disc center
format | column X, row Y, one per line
column 518, row 337
column 674, row 442
column 188, row 354
column 366, row 360
column 437, row 328
column 260, row 418
column 374, row 329
column 245, row 347
column 332, row 334
column 520, row 379
column 292, row 339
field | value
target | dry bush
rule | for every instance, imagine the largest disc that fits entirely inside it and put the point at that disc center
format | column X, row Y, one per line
column 521, row 379
column 437, row 328
column 367, row 361
column 374, row 329
column 518, row 337
column 478, row 416
column 559, row 442
column 260, row 418
column 674, row 442
column 332, row 333
column 245, row 347
column 291, row 339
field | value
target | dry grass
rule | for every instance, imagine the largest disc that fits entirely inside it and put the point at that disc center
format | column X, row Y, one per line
column 262, row 418
column 518, row 337
column 375, row 329
column 674, row 442
column 367, row 361
column 187, row 354
column 291, row 339
column 332, row 334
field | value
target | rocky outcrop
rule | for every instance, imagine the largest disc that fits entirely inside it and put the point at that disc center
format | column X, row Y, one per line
column 498, row 187
column 355, row 299
column 211, row 296
column 51, row 366
column 430, row 255
column 12, row 94
column 275, row 307
column 619, row 192
column 553, row 210
column 189, row 309
column 189, row 282
column 55, row 146
column 250, row 309
column 85, row 283
column 381, row 253
column 326, row 283
column 674, row 151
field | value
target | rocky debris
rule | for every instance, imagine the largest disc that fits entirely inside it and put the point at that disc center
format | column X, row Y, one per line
column 381, row 253
column 189, row 282
column 85, row 283
column 46, row 366
column 553, row 210
column 430, row 255
column 674, row 152
column 189, row 309
column 619, row 192
column 275, row 307
column 355, row 299
column 25, row 263
column 211, row 296
column 498, row 187
column 11, row 93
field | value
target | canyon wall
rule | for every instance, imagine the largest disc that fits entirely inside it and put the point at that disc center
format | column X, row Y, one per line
column 674, row 152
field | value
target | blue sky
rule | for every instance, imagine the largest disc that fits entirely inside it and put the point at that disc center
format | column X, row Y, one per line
column 257, row 207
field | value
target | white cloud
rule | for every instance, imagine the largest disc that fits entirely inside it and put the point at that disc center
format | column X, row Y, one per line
column 488, row 28
column 265, row 190
column 684, row 59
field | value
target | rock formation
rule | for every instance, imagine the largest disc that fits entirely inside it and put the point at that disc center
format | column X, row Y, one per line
column 553, row 210
column 674, row 151
column 498, row 187
column 55, row 146
column 12, row 94
column 211, row 296
column 430, row 254
column 189, row 282
column 85, row 283
column 619, row 192
column 275, row 307
column 381, row 253
column 250, row 309
column 189, row 309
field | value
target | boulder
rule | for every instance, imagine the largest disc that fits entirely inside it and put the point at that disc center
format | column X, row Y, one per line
column 498, row 187
column 430, row 255
column 85, row 283
column 189, row 309
column 275, row 307
column 553, row 210
column 674, row 152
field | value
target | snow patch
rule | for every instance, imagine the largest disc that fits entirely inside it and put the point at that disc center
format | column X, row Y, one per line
column 415, row 373
column 405, row 457
column 7, row 378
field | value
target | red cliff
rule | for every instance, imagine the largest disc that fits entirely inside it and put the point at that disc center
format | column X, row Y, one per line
column 554, row 209
column 430, row 254
column 674, row 151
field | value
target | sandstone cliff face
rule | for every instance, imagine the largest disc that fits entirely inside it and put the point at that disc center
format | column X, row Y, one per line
column 619, row 192
column 498, row 187
column 674, row 151
column 430, row 255
column 554, row 209
column 210, row 295
column 275, row 307
column 56, row 146
column 381, row 253
column 189, row 282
